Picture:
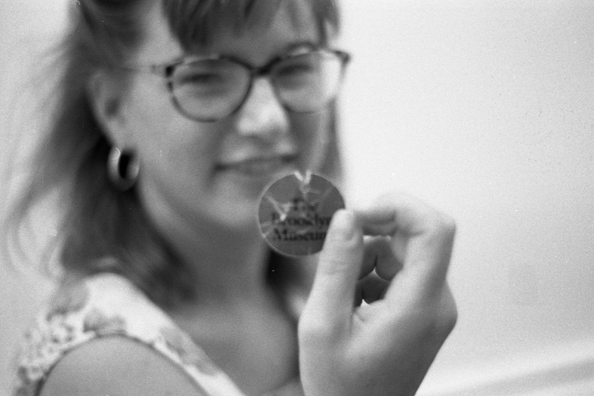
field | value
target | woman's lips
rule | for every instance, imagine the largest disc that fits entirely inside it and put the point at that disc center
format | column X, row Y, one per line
column 260, row 166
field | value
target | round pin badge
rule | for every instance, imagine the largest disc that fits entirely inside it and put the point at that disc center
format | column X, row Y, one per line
column 295, row 213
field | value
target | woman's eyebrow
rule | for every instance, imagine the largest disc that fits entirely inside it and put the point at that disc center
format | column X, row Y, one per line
column 301, row 45
column 291, row 48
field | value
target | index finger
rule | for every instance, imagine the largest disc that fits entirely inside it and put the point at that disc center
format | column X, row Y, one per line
column 427, row 236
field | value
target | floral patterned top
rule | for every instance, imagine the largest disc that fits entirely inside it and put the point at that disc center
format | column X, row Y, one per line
column 110, row 305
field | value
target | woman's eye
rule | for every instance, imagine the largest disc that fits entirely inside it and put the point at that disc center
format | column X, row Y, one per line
column 296, row 69
column 200, row 78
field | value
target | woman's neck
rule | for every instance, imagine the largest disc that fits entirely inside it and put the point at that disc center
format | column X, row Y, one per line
column 229, row 265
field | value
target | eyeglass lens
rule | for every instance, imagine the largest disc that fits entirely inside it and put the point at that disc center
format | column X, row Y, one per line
column 212, row 89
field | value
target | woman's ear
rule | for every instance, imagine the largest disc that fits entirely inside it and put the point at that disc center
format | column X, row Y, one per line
column 106, row 97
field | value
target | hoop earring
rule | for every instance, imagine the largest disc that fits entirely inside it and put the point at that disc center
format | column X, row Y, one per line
column 122, row 169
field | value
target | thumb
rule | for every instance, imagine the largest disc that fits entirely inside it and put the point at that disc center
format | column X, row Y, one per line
column 333, row 290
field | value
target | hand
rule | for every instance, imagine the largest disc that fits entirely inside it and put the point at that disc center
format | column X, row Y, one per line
column 399, row 269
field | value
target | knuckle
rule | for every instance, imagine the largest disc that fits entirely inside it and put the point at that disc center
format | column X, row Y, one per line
column 449, row 318
column 334, row 266
column 439, row 316
column 439, row 326
column 448, row 313
column 449, row 224
column 444, row 225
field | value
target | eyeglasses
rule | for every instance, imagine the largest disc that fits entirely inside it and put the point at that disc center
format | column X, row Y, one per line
column 210, row 88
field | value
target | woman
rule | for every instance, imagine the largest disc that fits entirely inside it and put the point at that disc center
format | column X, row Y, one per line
column 173, row 117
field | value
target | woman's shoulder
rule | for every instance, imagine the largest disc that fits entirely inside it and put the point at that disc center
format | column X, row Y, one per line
column 117, row 366
column 83, row 324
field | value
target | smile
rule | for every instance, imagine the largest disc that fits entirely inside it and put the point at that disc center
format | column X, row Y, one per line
column 260, row 166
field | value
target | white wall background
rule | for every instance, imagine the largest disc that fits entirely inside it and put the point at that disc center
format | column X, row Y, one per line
column 484, row 109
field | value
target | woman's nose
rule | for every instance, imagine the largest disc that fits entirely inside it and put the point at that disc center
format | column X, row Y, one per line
column 262, row 114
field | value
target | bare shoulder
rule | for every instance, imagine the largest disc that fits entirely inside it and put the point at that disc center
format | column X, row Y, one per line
column 117, row 366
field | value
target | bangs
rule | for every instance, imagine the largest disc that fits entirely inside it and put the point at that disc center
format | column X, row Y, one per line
column 194, row 22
